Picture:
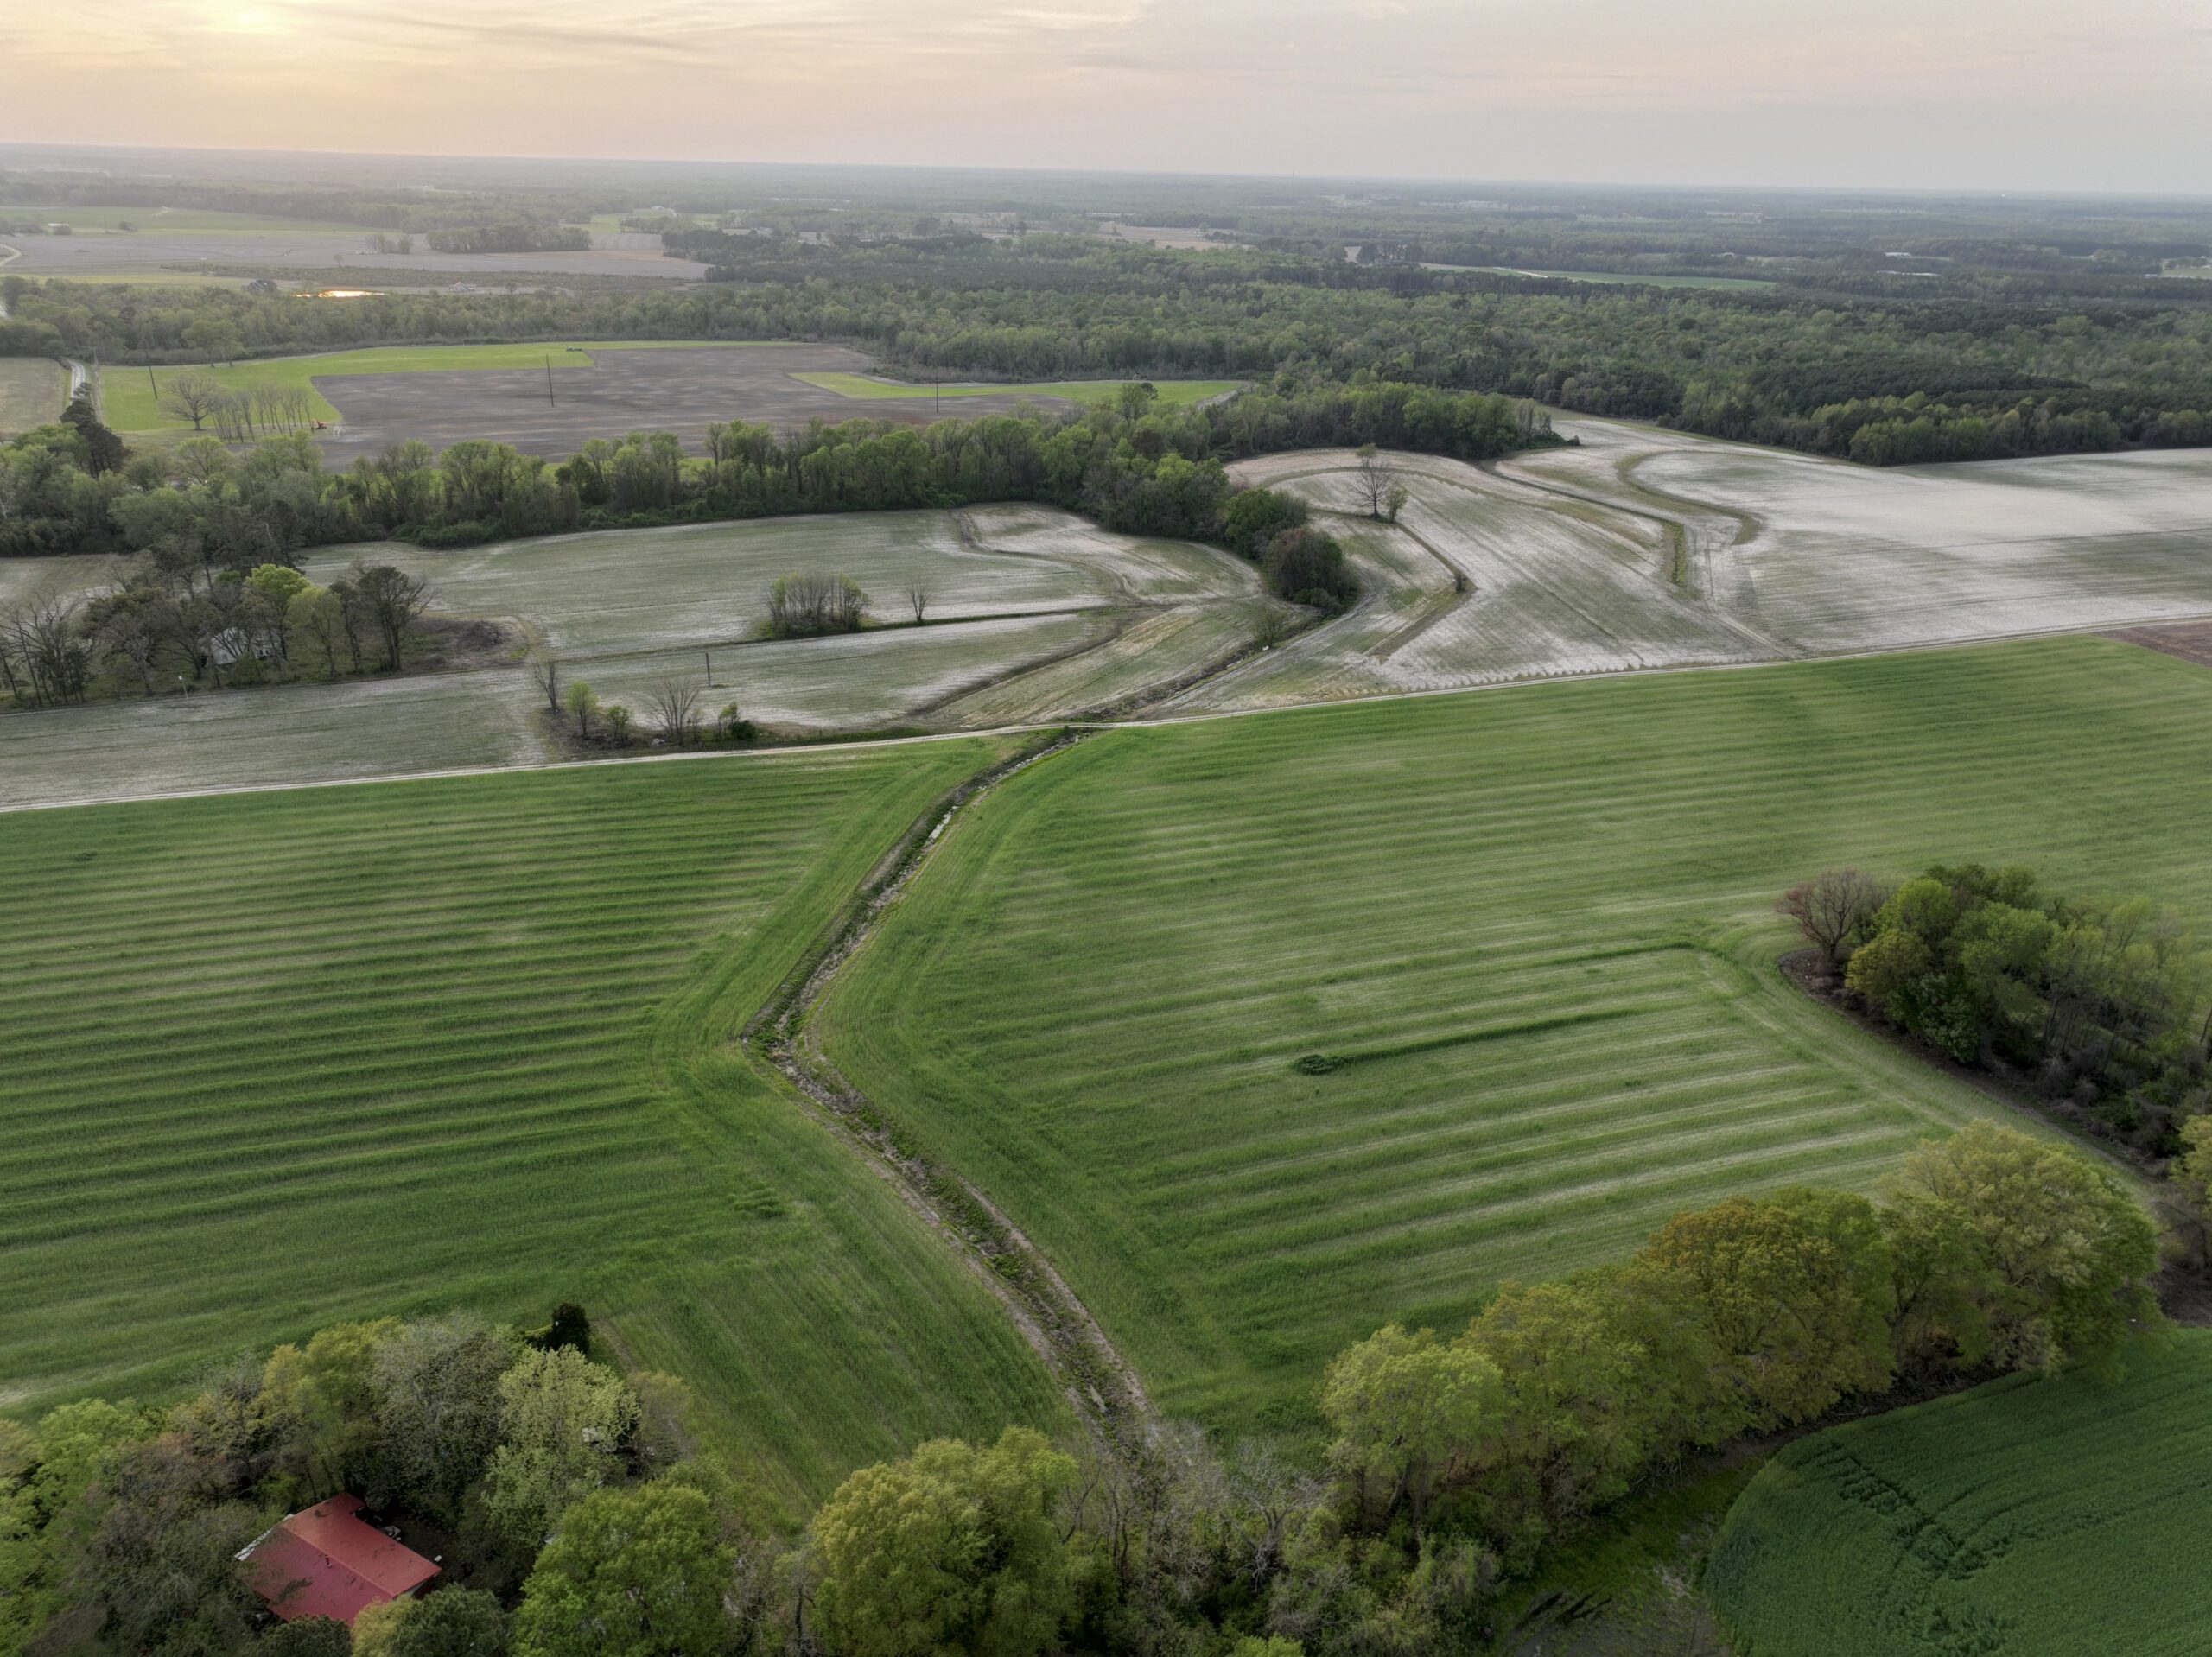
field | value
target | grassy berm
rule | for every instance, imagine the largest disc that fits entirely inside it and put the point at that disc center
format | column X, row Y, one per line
column 1528, row 937
column 268, row 1062
column 2028, row 1518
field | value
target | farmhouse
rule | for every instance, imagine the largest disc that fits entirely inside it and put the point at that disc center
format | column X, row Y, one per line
column 327, row 1561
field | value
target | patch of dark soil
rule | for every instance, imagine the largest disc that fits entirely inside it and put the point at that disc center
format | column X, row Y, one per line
column 459, row 642
column 2190, row 641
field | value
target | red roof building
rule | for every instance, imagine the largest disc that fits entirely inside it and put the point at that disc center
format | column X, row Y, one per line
column 327, row 1561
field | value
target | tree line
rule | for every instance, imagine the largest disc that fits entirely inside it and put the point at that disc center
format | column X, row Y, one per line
column 2044, row 373
column 585, row 1519
column 2098, row 1007
column 204, row 525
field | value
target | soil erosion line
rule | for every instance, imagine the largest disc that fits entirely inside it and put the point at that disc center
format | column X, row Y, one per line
column 1100, row 1382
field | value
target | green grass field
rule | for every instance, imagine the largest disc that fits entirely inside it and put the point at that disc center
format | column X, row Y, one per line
column 1173, row 394
column 32, row 392
column 2028, row 1518
column 1537, row 924
column 133, row 404
column 270, row 1061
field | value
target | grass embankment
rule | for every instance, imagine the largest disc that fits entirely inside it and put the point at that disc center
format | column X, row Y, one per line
column 32, row 392
column 2028, row 1516
column 1536, row 927
column 1173, row 394
column 132, row 402
column 271, row 1061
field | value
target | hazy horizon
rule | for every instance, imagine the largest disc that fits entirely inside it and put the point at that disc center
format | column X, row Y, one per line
column 2007, row 96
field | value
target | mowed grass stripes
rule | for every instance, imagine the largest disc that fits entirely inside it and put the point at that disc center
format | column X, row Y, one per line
column 1537, row 924
column 270, row 1061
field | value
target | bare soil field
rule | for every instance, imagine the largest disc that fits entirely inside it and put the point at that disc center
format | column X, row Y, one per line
column 96, row 254
column 620, row 392
column 2190, row 641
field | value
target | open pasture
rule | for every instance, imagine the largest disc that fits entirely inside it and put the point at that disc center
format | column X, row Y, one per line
column 33, row 391
column 2028, row 1518
column 1534, row 928
column 465, row 1043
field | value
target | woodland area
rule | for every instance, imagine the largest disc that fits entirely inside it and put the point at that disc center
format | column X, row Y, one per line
column 1450, row 1463
column 2098, row 1005
column 1999, row 348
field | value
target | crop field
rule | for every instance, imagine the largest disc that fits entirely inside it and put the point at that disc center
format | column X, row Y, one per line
column 1173, row 394
column 618, row 391
column 1034, row 614
column 512, row 998
column 32, row 392
column 1821, row 556
column 2028, row 1518
column 1534, row 927
column 1482, row 578
column 132, row 400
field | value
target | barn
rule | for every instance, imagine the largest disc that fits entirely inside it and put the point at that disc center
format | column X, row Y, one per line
column 327, row 1561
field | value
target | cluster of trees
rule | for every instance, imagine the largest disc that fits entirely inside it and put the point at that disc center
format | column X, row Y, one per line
column 1995, row 1251
column 585, row 1522
column 241, row 416
column 677, row 705
column 128, row 1523
column 173, row 624
column 2042, row 369
column 2099, row 1005
column 808, row 604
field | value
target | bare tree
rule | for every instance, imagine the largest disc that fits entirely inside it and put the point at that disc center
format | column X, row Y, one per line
column 1833, row 909
column 676, row 706
column 545, row 670
column 192, row 396
column 917, row 599
column 1373, row 479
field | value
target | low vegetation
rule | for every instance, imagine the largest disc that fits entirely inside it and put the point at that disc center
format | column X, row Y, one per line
column 2101, row 1006
column 1532, row 930
column 508, row 999
column 2031, row 1516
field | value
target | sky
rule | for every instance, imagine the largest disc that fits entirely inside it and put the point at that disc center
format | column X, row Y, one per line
column 1957, row 94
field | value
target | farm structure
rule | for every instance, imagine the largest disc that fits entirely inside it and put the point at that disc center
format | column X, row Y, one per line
column 327, row 1561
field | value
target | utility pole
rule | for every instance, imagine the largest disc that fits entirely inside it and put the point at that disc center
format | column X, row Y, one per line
column 709, row 655
column 549, row 380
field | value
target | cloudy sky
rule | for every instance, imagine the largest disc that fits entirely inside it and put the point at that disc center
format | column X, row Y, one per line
column 2012, row 94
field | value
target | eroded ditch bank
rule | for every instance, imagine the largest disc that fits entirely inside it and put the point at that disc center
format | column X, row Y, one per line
column 1100, row 1383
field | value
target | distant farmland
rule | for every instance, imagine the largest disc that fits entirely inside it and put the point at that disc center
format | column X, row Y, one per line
column 32, row 392
column 465, row 1043
column 2028, row 1518
column 1533, row 931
